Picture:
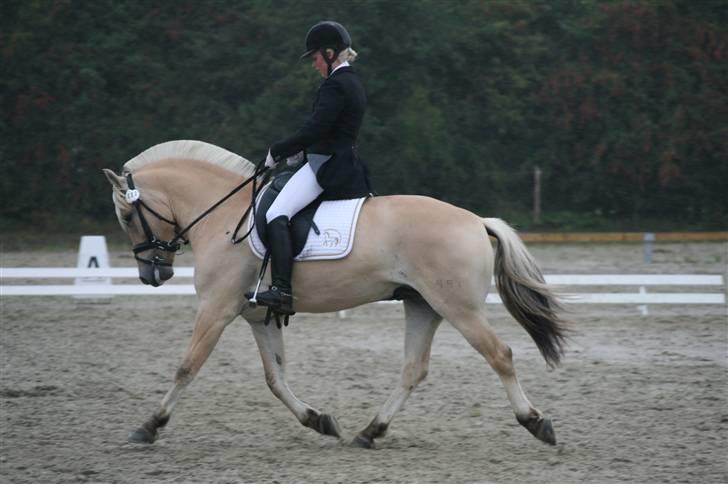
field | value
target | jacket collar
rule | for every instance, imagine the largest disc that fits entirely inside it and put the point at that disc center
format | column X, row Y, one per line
column 339, row 70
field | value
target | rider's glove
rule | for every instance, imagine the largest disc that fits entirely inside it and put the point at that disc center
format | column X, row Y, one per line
column 295, row 160
column 269, row 161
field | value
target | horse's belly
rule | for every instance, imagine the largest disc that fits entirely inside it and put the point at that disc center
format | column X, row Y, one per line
column 322, row 290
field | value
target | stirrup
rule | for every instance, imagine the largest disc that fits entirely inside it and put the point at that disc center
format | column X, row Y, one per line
column 280, row 301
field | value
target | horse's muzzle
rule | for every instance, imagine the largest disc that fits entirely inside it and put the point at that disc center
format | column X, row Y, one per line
column 155, row 275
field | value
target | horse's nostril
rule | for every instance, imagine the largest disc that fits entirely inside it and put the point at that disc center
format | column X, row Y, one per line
column 144, row 281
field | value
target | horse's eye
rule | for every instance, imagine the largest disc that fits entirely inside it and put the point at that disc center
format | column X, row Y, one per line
column 127, row 217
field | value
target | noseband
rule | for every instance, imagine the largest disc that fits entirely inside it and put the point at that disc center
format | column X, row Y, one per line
column 133, row 197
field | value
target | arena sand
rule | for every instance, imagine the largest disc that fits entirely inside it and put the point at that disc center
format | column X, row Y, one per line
column 637, row 398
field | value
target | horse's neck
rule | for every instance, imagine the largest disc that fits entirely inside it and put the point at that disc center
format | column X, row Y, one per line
column 192, row 187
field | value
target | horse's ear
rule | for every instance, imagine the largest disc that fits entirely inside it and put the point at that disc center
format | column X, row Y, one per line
column 115, row 180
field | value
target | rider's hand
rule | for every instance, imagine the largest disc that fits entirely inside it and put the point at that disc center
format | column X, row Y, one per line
column 295, row 160
column 269, row 161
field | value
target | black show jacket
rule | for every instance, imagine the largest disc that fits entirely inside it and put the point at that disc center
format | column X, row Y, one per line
column 332, row 129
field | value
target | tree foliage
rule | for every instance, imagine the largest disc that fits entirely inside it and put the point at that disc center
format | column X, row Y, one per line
column 621, row 103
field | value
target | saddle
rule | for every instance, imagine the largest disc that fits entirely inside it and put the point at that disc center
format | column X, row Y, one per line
column 302, row 222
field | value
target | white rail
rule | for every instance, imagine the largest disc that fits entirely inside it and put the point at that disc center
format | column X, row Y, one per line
column 558, row 279
column 97, row 290
column 68, row 272
column 594, row 280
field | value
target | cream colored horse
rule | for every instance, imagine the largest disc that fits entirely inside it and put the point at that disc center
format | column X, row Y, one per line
column 436, row 256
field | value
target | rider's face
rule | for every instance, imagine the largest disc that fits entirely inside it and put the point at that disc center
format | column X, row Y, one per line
column 318, row 63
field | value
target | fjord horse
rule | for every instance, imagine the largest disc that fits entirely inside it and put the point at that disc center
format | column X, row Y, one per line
column 437, row 257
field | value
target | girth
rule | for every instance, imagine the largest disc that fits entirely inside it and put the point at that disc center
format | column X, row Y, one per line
column 302, row 222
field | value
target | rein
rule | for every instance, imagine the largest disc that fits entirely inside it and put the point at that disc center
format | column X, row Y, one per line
column 134, row 197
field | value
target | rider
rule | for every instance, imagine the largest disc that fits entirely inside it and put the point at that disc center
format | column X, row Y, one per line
column 326, row 143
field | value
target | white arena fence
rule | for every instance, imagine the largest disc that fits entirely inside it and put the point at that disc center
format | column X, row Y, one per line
column 98, row 282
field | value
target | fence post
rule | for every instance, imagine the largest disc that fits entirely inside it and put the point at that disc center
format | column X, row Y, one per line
column 649, row 239
column 537, row 195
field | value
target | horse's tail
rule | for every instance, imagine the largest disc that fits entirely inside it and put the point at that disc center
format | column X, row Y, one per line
column 524, row 292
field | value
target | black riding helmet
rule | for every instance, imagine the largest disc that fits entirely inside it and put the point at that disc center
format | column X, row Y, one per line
column 327, row 35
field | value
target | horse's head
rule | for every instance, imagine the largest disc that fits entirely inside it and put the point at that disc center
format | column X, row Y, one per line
column 145, row 216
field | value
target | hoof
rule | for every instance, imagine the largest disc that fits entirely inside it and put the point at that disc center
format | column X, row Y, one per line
column 142, row 436
column 362, row 443
column 329, row 426
column 540, row 427
column 323, row 423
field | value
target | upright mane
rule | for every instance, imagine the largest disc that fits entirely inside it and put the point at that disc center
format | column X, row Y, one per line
column 191, row 150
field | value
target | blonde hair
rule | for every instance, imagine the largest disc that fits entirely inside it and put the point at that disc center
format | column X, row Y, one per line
column 347, row 55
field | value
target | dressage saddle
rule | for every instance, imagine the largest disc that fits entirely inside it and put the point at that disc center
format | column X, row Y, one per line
column 302, row 222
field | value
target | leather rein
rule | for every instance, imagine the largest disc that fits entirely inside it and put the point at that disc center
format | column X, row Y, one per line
column 133, row 197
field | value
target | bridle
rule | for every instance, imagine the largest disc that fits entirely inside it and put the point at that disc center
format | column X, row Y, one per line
column 133, row 197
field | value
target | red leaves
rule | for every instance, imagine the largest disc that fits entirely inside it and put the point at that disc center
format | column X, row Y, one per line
column 29, row 105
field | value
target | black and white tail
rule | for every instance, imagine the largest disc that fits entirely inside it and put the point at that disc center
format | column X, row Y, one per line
column 524, row 292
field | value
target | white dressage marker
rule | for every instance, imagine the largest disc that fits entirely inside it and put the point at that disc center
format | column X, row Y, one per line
column 93, row 254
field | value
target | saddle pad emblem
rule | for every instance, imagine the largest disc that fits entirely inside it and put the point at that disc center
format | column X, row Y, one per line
column 336, row 221
column 332, row 238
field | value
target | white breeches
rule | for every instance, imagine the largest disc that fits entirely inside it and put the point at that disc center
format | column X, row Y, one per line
column 300, row 190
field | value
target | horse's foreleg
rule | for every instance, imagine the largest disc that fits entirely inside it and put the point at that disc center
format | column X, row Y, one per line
column 475, row 328
column 270, row 344
column 210, row 322
column 422, row 322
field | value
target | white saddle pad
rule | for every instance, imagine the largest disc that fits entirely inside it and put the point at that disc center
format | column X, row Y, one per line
column 336, row 221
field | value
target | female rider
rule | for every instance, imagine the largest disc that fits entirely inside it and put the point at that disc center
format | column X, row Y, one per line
column 326, row 143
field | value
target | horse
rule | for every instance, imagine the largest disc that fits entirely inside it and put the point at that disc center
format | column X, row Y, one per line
column 436, row 257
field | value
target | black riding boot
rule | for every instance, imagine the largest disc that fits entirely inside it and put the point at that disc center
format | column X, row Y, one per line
column 279, row 297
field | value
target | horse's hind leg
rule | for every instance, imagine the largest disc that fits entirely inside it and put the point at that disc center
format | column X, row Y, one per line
column 474, row 326
column 422, row 322
column 270, row 344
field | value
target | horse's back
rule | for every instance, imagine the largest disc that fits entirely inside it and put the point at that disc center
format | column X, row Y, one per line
column 423, row 230
column 421, row 217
